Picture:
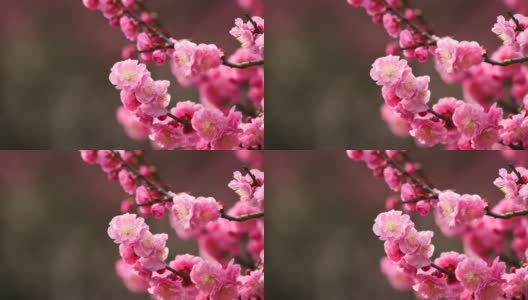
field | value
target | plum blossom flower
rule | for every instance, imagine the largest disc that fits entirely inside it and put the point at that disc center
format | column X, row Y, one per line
column 456, row 210
column 505, row 30
column 127, row 229
column 469, row 118
column 391, row 225
column 454, row 57
column 247, row 190
column 128, row 74
column 473, row 273
column 516, row 283
column 192, row 60
column 388, row 70
column 252, row 285
column 428, row 131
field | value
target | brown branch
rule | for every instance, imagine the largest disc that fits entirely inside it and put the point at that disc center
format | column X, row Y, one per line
column 169, row 44
column 243, row 65
column 186, row 123
column 255, row 182
column 181, row 274
column 158, row 188
column 446, row 119
column 161, row 47
column 434, row 195
column 152, row 30
column 432, row 40
column 445, row 271
column 425, row 198
column 425, row 44
column 413, row 178
column 518, row 26
column 507, row 215
column 164, row 200
column 147, row 180
column 506, row 62
column 241, row 218
column 416, row 28
column 256, row 29
column 520, row 180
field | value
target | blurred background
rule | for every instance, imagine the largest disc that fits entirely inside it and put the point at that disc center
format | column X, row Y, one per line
column 320, row 211
column 320, row 94
column 55, row 214
column 55, row 61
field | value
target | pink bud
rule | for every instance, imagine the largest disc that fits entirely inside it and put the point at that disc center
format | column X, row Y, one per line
column 159, row 57
column 127, row 52
column 423, row 208
column 392, row 48
column 158, row 210
column 91, row 4
column 127, row 206
column 89, row 156
column 129, row 3
column 421, row 54
column 392, row 202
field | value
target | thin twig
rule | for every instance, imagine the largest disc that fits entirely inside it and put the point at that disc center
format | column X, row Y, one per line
column 147, row 180
column 413, row 178
column 506, row 62
column 186, row 123
column 507, row 215
column 241, row 218
column 518, row 26
column 256, row 29
column 253, row 178
column 445, row 271
column 243, row 65
column 520, row 179
column 181, row 274
column 146, row 25
column 446, row 119
column 416, row 28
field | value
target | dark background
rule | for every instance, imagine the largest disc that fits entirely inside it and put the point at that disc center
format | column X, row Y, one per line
column 320, row 211
column 55, row 213
column 55, row 60
column 320, row 94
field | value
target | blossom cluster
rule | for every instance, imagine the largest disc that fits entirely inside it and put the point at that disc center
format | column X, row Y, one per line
column 188, row 124
column 492, row 114
column 231, row 87
column 231, row 242
column 494, row 237
column 452, row 122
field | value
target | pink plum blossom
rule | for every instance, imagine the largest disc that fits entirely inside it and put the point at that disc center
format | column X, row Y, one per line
column 128, row 74
column 388, row 70
column 391, row 225
column 127, row 229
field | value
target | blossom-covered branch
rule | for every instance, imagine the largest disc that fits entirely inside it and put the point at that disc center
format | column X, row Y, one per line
column 231, row 87
column 477, row 122
column 169, row 196
column 493, row 236
column 225, row 237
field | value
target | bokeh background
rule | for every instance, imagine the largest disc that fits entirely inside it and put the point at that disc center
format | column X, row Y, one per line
column 55, row 61
column 320, row 94
column 55, row 214
column 320, row 211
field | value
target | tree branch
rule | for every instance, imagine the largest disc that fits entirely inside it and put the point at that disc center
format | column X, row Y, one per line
column 447, row 272
column 241, row 218
column 413, row 178
column 243, row 65
column 168, row 198
column 181, row 274
column 507, row 215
